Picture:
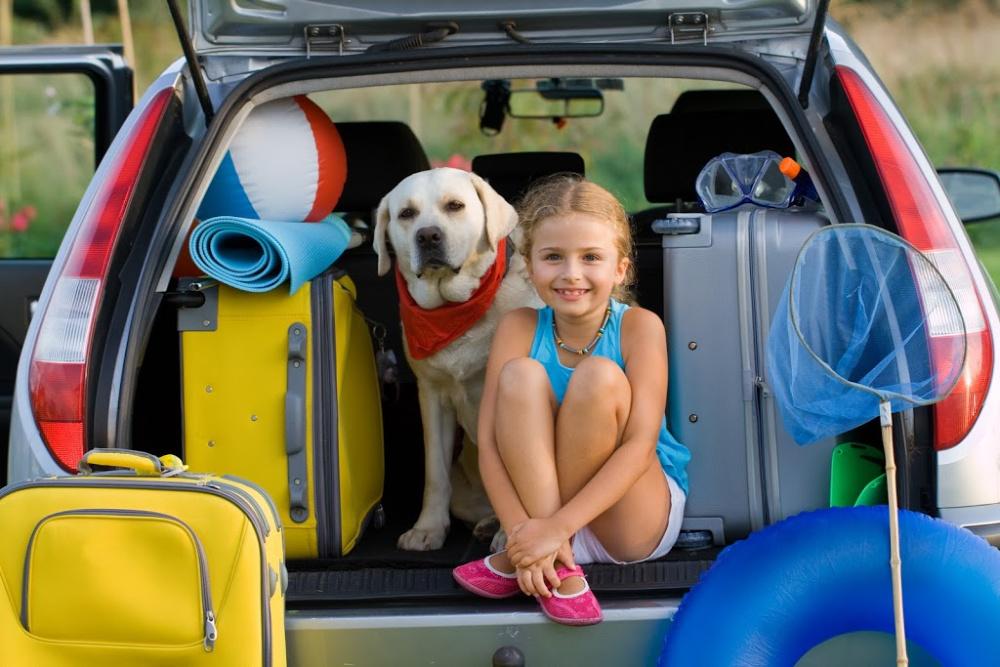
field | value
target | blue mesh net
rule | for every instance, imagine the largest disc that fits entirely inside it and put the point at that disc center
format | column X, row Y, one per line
column 864, row 318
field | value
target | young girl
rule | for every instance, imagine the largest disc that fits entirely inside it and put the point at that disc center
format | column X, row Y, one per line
column 573, row 446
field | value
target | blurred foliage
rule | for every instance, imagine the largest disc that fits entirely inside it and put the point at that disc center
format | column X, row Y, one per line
column 889, row 6
column 53, row 13
column 985, row 237
column 46, row 159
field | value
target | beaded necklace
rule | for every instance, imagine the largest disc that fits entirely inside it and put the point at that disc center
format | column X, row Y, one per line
column 586, row 349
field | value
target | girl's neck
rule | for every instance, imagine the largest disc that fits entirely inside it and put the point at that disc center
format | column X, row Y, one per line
column 579, row 330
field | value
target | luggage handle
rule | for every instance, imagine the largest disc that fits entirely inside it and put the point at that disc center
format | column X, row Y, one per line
column 295, row 422
column 676, row 226
column 143, row 464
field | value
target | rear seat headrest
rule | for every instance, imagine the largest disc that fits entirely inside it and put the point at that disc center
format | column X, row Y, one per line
column 379, row 155
column 510, row 174
column 680, row 143
column 719, row 100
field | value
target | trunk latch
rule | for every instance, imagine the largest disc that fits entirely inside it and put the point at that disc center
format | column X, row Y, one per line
column 688, row 24
column 323, row 37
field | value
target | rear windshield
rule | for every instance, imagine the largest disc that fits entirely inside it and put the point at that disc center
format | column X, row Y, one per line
column 445, row 118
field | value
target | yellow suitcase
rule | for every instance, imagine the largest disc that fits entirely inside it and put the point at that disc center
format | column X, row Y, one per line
column 282, row 390
column 144, row 566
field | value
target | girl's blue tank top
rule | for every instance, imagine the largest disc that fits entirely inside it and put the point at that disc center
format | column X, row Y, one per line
column 672, row 454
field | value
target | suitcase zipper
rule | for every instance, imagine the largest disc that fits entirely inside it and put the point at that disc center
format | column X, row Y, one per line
column 263, row 494
column 199, row 485
column 211, row 632
column 754, row 286
column 758, row 289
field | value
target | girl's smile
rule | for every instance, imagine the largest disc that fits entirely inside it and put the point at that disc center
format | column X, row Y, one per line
column 571, row 294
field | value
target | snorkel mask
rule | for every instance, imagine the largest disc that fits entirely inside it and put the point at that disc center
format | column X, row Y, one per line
column 731, row 179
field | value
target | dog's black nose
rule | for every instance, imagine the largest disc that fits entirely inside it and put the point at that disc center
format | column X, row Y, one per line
column 429, row 237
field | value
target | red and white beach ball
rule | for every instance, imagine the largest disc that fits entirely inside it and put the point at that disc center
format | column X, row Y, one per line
column 287, row 163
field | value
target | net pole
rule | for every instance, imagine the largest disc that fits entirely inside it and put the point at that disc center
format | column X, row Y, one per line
column 895, row 562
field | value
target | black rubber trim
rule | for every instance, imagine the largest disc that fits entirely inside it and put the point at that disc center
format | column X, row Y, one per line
column 396, row 580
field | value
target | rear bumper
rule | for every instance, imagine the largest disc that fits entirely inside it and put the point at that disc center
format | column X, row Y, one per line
column 631, row 634
column 983, row 520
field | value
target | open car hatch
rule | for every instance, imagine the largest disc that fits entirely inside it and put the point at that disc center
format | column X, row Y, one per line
column 300, row 27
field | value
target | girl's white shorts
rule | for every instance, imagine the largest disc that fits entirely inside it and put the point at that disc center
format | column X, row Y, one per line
column 588, row 549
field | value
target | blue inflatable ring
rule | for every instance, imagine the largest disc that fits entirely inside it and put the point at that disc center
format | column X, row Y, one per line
column 771, row 598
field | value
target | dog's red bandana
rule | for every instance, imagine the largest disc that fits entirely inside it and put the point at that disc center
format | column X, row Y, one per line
column 428, row 331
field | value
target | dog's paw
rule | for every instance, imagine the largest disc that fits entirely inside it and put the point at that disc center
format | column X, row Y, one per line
column 486, row 528
column 499, row 542
column 422, row 539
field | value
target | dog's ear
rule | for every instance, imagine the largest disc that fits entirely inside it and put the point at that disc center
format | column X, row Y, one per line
column 381, row 225
column 501, row 218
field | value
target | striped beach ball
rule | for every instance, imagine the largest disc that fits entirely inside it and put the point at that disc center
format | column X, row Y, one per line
column 286, row 163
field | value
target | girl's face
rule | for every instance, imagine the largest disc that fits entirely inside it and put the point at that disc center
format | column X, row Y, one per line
column 575, row 263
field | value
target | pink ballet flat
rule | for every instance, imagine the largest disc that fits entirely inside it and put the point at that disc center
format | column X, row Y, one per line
column 576, row 609
column 481, row 578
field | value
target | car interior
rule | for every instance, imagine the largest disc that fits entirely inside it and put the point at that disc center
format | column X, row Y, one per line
column 681, row 130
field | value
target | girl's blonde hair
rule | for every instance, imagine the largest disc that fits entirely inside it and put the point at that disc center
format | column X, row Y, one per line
column 570, row 193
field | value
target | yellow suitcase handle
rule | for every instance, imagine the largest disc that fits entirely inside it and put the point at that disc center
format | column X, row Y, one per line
column 143, row 463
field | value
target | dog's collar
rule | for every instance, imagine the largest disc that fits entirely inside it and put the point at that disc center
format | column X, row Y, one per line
column 430, row 330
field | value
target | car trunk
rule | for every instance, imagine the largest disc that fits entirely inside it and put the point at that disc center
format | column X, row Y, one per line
column 353, row 605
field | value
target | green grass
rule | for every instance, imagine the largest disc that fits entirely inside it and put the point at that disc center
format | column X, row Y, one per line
column 986, row 239
column 954, row 114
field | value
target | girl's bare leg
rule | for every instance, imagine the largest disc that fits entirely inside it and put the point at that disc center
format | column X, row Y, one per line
column 525, row 437
column 589, row 427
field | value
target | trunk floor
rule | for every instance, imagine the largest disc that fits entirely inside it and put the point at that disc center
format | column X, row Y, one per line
column 377, row 570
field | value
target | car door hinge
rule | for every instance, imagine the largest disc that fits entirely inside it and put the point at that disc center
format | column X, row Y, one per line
column 325, row 37
column 688, row 24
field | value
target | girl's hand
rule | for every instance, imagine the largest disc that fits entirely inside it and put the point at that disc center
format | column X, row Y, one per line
column 539, row 577
column 533, row 540
column 565, row 555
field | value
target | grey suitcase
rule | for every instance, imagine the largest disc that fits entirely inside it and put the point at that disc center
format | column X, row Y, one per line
column 723, row 277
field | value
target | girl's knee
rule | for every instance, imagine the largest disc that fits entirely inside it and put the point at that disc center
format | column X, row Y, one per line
column 597, row 377
column 521, row 376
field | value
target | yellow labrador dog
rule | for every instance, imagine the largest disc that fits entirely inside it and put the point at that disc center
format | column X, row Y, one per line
column 449, row 229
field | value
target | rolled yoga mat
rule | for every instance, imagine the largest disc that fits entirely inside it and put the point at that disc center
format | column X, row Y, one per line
column 259, row 255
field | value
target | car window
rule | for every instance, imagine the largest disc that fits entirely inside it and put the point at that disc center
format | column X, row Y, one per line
column 445, row 118
column 46, row 158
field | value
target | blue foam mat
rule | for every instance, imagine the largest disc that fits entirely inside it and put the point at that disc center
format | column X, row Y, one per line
column 259, row 255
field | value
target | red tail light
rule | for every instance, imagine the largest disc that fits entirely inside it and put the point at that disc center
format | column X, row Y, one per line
column 58, row 374
column 922, row 222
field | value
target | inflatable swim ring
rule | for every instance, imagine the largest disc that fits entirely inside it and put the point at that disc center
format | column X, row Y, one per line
column 771, row 598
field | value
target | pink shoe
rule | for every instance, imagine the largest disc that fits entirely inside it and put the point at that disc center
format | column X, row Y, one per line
column 576, row 609
column 481, row 578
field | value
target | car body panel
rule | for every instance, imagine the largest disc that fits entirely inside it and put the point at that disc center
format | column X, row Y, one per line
column 631, row 634
column 280, row 26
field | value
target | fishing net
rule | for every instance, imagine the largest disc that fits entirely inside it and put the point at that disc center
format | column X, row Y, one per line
column 864, row 319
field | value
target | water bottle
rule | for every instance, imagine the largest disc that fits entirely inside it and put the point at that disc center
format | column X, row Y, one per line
column 804, row 188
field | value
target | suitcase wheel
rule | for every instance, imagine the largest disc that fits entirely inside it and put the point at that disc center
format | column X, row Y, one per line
column 378, row 517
